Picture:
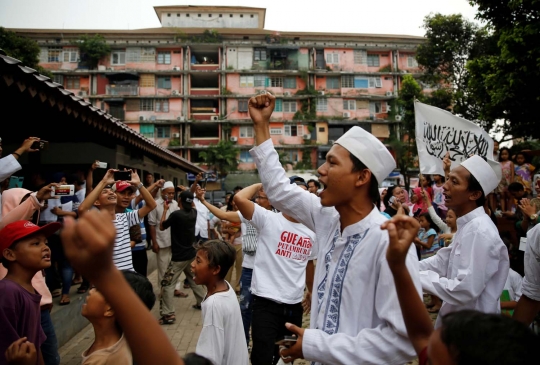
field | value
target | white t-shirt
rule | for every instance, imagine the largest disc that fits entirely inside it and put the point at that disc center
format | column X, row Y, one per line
column 163, row 238
column 513, row 285
column 122, row 247
column 283, row 250
column 201, row 227
column 222, row 338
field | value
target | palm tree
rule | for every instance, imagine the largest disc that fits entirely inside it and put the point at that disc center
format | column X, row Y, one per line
column 221, row 157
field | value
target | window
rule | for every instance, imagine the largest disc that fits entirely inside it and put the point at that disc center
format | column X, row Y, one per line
column 164, row 58
column 147, row 80
column 289, row 83
column 332, row 83
column 276, row 131
column 411, row 61
column 118, row 58
column 162, row 105
column 279, row 105
column 73, row 82
column 347, row 81
column 375, row 82
column 71, row 54
column 293, row 130
column 360, row 57
column 243, row 106
column 289, row 106
column 332, row 58
column 54, row 54
column 373, row 60
column 59, row 79
column 276, row 81
column 148, row 54
column 147, row 130
column 246, row 81
column 246, row 132
column 260, row 81
column 163, row 131
column 164, row 82
column 245, row 156
column 361, row 82
column 147, row 105
column 259, row 54
column 349, row 104
column 377, row 107
column 322, row 104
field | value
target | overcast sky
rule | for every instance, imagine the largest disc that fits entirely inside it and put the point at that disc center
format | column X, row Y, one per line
column 340, row 16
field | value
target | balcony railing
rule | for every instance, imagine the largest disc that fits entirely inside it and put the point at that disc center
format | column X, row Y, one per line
column 126, row 90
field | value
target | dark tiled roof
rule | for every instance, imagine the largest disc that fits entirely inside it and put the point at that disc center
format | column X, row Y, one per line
column 98, row 117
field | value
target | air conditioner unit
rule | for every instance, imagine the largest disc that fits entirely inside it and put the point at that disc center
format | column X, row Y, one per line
column 141, row 119
column 175, row 92
column 307, row 136
column 286, row 93
column 321, row 92
column 346, row 115
column 176, row 68
column 234, row 139
column 389, row 93
column 176, row 135
column 214, row 117
column 180, row 119
column 398, row 118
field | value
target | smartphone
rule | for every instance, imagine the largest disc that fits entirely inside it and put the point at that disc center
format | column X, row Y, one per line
column 287, row 341
column 63, row 190
column 40, row 145
column 102, row 165
column 203, row 183
column 122, row 175
column 16, row 182
column 392, row 200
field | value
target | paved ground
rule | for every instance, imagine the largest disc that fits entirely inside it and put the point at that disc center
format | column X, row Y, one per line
column 183, row 334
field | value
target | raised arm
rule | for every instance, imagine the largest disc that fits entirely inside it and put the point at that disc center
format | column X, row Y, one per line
column 243, row 200
column 150, row 203
column 153, row 189
column 88, row 202
column 227, row 216
column 198, row 178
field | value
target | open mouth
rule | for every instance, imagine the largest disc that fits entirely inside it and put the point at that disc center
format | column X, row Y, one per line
column 46, row 257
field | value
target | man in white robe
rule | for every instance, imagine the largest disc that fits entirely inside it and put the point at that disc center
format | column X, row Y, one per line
column 471, row 273
column 355, row 314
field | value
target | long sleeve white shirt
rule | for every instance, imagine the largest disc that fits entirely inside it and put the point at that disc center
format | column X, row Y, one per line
column 8, row 166
column 531, row 281
column 471, row 273
column 355, row 313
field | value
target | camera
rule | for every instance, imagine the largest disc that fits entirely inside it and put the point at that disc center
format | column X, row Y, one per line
column 40, row 145
column 63, row 190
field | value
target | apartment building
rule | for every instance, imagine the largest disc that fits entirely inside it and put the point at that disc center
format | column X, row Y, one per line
column 186, row 87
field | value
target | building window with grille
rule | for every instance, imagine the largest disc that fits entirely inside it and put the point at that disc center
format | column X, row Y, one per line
column 163, row 131
column 71, row 55
column 246, row 132
column 259, row 54
column 59, row 79
column 279, row 105
column 147, row 80
column 289, row 83
column 411, row 61
column 349, row 104
column 376, row 107
column 332, row 83
column 373, row 60
column 147, row 130
column 276, row 81
column 245, row 156
column 164, row 58
column 243, row 106
column 347, row 81
column 147, row 105
column 332, row 58
column 118, row 57
column 162, row 105
column 289, row 106
column 375, row 82
column 164, row 82
column 54, row 54
column 360, row 57
column 246, row 81
column 293, row 130
column 276, row 131
column 260, row 81
column 73, row 82
column 322, row 104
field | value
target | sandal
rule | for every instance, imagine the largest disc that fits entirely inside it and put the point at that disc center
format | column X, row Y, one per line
column 56, row 293
column 179, row 294
column 196, row 306
column 82, row 289
column 65, row 301
column 170, row 319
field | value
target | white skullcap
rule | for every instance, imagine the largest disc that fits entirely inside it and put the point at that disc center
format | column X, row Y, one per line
column 168, row 184
column 487, row 173
column 369, row 150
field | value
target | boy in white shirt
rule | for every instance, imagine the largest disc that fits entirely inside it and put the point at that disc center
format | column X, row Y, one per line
column 222, row 336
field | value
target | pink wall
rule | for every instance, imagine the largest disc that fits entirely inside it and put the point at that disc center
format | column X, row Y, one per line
column 175, row 111
column 346, row 60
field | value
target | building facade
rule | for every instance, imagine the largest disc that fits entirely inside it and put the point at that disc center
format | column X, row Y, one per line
column 186, row 84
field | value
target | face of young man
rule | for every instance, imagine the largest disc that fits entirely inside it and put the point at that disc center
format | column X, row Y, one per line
column 312, row 188
column 202, row 272
column 95, row 306
column 149, row 179
column 106, row 198
column 30, row 252
column 123, row 198
column 262, row 200
column 338, row 180
column 455, row 189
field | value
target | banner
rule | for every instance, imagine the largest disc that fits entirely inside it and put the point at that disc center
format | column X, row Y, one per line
column 439, row 132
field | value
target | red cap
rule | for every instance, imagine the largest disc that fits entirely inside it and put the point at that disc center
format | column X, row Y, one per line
column 21, row 229
column 121, row 186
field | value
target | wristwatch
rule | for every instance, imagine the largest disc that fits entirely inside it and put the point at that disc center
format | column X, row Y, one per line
column 140, row 186
column 533, row 217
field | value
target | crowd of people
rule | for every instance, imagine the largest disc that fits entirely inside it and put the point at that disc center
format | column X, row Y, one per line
column 358, row 258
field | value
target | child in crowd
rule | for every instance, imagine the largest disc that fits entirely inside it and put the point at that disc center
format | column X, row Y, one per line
column 419, row 207
column 438, row 197
column 507, row 168
column 110, row 346
column 426, row 183
column 24, row 250
column 524, row 172
column 447, row 227
column 222, row 337
column 465, row 337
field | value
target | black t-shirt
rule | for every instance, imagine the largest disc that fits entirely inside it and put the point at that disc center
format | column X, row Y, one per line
column 182, row 225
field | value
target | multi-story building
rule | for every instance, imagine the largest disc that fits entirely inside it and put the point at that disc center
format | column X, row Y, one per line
column 187, row 87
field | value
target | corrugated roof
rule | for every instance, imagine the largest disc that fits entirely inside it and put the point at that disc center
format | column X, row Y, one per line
column 107, row 122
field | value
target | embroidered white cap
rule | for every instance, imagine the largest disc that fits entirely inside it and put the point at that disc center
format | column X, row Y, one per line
column 168, row 184
column 369, row 150
column 488, row 173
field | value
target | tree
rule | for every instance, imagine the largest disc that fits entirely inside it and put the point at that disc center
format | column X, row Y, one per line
column 504, row 82
column 92, row 49
column 221, row 157
column 24, row 49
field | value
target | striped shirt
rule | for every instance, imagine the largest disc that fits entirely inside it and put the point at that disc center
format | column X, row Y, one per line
column 122, row 248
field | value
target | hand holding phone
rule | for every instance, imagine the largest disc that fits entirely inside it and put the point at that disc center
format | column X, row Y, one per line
column 40, row 145
column 101, row 165
column 122, row 175
column 287, row 341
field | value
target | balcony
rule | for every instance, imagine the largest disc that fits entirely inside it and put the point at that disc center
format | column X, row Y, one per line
column 122, row 90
